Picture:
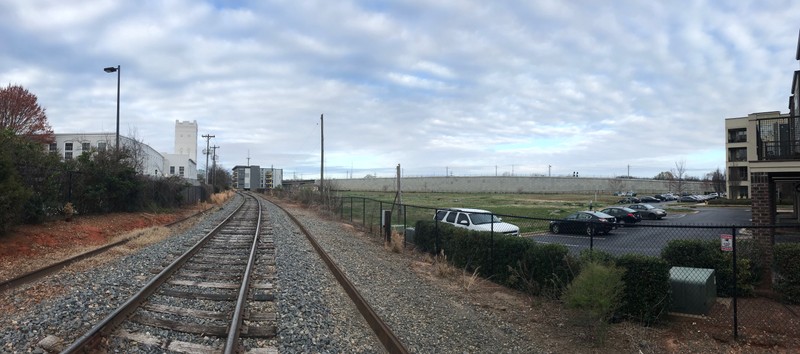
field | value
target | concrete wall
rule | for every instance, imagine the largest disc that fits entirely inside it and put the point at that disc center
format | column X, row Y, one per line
column 504, row 184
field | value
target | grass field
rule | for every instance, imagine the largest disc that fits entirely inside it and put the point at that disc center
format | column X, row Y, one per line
column 530, row 205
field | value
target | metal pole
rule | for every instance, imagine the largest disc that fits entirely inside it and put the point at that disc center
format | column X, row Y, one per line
column 321, row 155
column 119, row 70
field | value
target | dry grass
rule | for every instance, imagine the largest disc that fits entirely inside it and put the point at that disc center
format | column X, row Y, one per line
column 222, row 197
column 396, row 244
column 467, row 280
column 442, row 268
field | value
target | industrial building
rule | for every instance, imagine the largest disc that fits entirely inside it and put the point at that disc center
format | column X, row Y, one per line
column 152, row 163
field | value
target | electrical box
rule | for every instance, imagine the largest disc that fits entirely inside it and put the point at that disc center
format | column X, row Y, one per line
column 694, row 290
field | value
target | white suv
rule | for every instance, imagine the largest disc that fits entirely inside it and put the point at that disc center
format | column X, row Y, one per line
column 476, row 219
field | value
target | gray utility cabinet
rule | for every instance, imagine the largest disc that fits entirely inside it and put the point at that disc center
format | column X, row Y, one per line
column 694, row 290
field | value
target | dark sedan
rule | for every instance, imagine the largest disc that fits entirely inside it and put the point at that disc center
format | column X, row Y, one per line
column 648, row 199
column 628, row 200
column 584, row 222
column 623, row 214
column 648, row 211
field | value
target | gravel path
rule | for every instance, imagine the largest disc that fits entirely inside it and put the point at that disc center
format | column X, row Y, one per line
column 425, row 317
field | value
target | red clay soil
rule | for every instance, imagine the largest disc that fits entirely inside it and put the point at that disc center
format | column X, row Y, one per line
column 60, row 238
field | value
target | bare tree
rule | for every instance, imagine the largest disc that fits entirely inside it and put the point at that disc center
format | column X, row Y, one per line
column 21, row 114
column 717, row 179
column 677, row 184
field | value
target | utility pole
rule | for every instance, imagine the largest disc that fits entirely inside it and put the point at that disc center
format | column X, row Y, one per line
column 208, row 139
column 321, row 154
column 213, row 163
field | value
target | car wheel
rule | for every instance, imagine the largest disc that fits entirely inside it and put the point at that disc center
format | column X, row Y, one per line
column 653, row 217
column 590, row 230
column 555, row 229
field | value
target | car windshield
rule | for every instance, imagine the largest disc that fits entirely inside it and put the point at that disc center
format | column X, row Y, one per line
column 648, row 206
column 478, row 219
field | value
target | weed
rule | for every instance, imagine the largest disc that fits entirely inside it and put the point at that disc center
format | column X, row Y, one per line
column 467, row 280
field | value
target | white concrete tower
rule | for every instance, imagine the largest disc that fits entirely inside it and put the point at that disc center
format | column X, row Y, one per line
column 186, row 139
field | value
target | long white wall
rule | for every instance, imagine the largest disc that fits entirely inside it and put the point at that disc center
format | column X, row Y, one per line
column 505, row 184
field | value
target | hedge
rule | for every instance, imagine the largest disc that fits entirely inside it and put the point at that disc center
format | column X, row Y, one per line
column 508, row 260
column 647, row 295
column 707, row 254
column 787, row 267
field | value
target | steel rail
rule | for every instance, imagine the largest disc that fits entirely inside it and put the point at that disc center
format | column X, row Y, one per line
column 236, row 322
column 121, row 313
column 381, row 330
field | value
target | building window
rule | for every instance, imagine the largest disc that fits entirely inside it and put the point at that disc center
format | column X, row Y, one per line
column 101, row 146
column 737, row 154
column 180, row 169
column 737, row 135
column 53, row 147
column 68, row 155
column 86, row 146
column 172, row 170
column 68, row 147
column 737, row 174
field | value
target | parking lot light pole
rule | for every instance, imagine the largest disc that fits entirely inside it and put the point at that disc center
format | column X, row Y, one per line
column 109, row 70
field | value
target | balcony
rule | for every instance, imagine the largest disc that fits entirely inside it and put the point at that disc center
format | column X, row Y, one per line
column 778, row 138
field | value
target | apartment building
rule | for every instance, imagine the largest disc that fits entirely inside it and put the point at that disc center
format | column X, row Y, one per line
column 256, row 178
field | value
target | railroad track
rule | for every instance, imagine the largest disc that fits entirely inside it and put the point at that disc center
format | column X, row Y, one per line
column 215, row 297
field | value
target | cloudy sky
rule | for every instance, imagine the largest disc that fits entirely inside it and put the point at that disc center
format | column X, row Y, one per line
column 450, row 86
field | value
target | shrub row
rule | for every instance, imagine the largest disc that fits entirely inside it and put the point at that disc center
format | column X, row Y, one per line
column 787, row 266
column 707, row 254
column 546, row 269
column 511, row 261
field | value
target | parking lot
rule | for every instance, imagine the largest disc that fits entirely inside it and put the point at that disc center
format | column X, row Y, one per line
column 649, row 237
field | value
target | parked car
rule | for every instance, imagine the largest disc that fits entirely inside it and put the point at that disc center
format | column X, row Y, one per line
column 623, row 214
column 476, row 219
column 649, row 199
column 585, row 222
column 648, row 211
column 628, row 200
column 688, row 199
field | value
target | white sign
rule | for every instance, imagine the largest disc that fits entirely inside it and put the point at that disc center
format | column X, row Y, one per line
column 726, row 242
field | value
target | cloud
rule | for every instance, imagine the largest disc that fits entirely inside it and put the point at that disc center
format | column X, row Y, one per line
column 463, row 84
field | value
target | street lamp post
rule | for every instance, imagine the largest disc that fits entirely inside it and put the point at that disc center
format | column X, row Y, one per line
column 109, row 70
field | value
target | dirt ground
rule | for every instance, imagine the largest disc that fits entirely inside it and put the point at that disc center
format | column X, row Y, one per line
column 765, row 326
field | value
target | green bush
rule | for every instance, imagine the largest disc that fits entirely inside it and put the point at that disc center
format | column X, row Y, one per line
column 707, row 254
column 787, row 267
column 596, row 292
column 13, row 196
column 508, row 260
column 647, row 290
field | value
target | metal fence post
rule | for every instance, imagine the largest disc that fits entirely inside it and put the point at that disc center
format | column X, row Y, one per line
column 351, row 209
column 405, row 226
column 491, row 244
column 364, row 212
column 735, row 287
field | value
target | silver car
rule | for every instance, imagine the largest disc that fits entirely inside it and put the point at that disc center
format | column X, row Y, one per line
column 648, row 211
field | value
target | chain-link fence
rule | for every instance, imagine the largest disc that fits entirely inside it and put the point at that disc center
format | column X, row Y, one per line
column 705, row 286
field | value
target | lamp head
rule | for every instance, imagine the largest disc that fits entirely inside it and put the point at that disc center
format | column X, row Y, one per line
column 110, row 69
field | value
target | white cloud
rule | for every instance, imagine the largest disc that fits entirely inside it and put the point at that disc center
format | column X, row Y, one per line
column 426, row 84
